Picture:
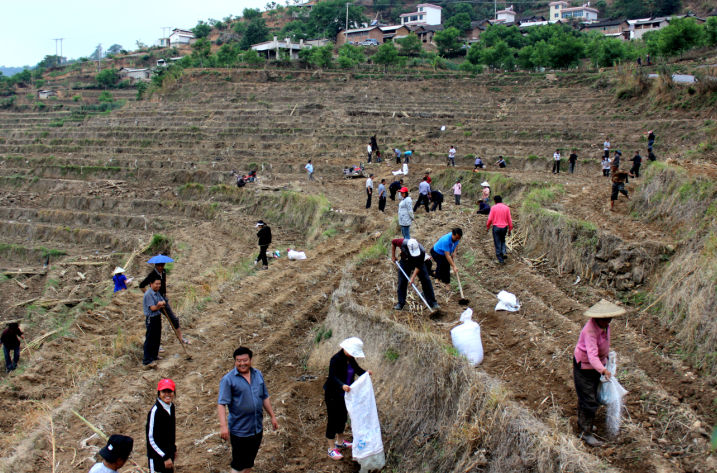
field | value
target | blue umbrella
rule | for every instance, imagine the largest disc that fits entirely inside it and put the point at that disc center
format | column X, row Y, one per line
column 158, row 259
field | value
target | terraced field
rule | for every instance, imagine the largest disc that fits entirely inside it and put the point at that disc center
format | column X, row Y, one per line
column 82, row 197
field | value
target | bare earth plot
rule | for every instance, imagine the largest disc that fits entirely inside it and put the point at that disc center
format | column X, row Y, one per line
column 81, row 198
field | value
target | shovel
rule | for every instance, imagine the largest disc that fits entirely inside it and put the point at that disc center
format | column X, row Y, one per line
column 462, row 300
column 181, row 342
column 414, row 287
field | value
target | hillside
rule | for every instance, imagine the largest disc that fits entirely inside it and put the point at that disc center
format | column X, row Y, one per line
column 110, row 189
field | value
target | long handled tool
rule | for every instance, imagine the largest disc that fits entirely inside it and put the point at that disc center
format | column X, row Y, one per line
column 181, row 342
column 462, row 300
column 414, row 286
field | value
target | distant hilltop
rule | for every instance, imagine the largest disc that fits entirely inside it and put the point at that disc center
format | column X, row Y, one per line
column 9, row 71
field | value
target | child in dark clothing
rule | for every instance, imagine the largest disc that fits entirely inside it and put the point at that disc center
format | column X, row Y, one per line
column 10, row 340
column 161, row 429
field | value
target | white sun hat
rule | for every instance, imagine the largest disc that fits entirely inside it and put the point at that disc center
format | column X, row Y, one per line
column 353, row 346
column 118, row 270
column 413, row 247
column 485, row 184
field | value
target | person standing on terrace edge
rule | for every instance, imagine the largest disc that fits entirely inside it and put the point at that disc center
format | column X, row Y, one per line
column 499, row 217
column 310, row 170
column 405, row 213
column 160, row 274
column 589, row 359
column 369, row 190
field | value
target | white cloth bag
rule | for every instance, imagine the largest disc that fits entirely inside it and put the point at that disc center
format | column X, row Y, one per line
column 466, row 338
column 367, row 444
column 507, row 301
column 296, row 255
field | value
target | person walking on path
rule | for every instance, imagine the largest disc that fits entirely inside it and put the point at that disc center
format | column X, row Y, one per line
column 264, row 235
column 616, row 159
column 243, row 395
column 382, row 195
column 589, row 359
column 120, row 279
column 424, row 190
column 606, row 166
column 342, row 370
column 160, row 430
column 310, row 170
column 413, row 263
column 606, row 147
column 572, row 160
column 437, row 199
column 556, row 162
column 499, row 217
column 394, row 187
column 114, row 454
column 405, row 213
column 369, row 151
column 636, row 162
column 374, row 147
column 160, row 274
column 397, row 152
column 10, row 339
column 650, row 139
column 457, row 191
column 369, row 190
column 451, row 156
column 619, row 179
column 443, row 253
column 152, row 304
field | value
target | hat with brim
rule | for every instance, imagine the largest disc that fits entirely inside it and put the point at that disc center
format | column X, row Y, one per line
column 413, row 247
column 353, row 346
column 260, row 223
column 118, row 270
column 485, row 184
column 603, row 310
column 118, row 446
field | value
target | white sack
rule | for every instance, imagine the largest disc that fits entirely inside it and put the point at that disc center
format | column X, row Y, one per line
column 507, row 301
column 361, row 405
column 466, row 338
column 296, row 255
column 610, row 393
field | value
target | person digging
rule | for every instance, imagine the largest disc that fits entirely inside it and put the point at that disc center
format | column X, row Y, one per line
column 589, row 359
column 619, row 178
column 412, row 262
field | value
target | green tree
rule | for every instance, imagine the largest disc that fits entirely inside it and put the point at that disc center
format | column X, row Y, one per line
column 680, row 35
column 409, row 45
column 202, row 30
column 297, row 29
column 114, row 49
column 387, row 55
column 629, row 9
column 448, row 42
column 328, row 17
column 461, row 21
column 350, row 56
column 227, row 55
column 666, row 7
column 251, row 14
column 201, row 50
column 107, row 78
column 321, row 56
column 711, row 31
column 606, row 52
column 49, row 61
column 509, row 34
column 499, row 56
column 474, row 54
column 252, row 57
column 256, row 32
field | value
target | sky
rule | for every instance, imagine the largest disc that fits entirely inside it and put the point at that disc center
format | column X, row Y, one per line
column 27, row 27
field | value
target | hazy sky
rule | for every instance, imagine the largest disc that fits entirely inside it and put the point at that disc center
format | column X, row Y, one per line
column 27, row 27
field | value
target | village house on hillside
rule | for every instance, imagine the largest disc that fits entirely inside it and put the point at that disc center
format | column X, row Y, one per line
column 561, row 10
column 641, row 26
column 426, row 14
column 379, row 33
column 179, row 36
column 135, row 75
column 619, row 28
column 273, row 49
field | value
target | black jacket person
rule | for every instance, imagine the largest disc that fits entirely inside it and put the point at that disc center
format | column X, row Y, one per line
column 264, row 235
column 412, row 261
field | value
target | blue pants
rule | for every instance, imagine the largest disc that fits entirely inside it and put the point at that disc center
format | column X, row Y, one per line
column 499, row 242
column 11, row 364
column 406, row 231
column 422, row 276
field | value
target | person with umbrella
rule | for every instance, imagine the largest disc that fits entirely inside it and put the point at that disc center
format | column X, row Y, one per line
column 589, row 359
column 160, row 274
column 413, row 262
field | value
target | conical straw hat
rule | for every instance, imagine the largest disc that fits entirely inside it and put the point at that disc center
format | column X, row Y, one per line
column 603, row 310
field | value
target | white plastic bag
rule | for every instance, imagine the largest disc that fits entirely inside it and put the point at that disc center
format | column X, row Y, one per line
column 507, row 301
column 610, row 393
column 367, row 444
column 466, row 338
column 296, row 255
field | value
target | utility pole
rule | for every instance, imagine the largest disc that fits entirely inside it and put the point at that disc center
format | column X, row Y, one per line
column 164, row 41
column 99, row 56
column 347, row 17
column 58, row 59
column 495, row 9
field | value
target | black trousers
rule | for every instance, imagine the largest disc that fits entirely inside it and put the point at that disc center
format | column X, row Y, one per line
column 635, row 170
column 556, row 166
column 336, row 415
column 393, row 193
column 262, row 255
column 499, row 241
column 422, row 200
column 437, row 204
column 422, row 276
column 572, row 167
column 368, row 198
column 152, row 338
column 586, row 387
column 443, row 269
column 382, row 203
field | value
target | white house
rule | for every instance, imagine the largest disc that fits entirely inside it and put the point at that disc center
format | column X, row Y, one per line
column 505, row 16
column 180, row 36
column 425, row 14
column 272, row 49
column 135, row 75
column 563, row 11
column 46, row 94
column 641, row 26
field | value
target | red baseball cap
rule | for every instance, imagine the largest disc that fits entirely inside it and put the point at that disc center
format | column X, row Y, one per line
column 165, row 384
column 403, row 189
